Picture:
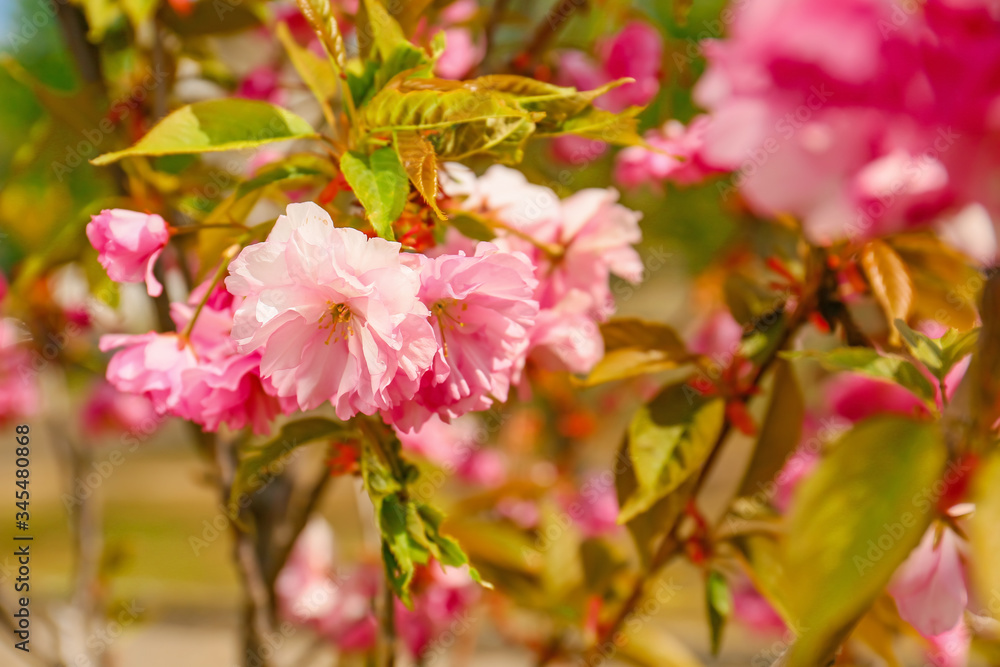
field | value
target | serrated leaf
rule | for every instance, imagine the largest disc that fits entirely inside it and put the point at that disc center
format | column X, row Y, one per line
column 558, row 103
column 669, row 440
column 260, row 461
column 430, row 104
column 719, row 603
column 216, row 125
column 380, row 184
column 620, row 129
column 320, row 16
column 416, row 154
column 780, row 430
column 869, row 362
column 890, row 282
column 854, row 520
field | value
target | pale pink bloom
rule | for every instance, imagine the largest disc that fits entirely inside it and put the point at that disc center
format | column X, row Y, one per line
column 461, row 54
column 109, row 411
column 203, row 379
column 681, row 161
column 754, row 611
column 150, row 364
column 335, row 313
column 482, row 308
column 262, row 83
column 594, row 508
column 950, row 648
column 441, row 602
column 311, row 592
column 457, row 447
column 855, row 397
column 635, row 52
column 567, row 336
column 929, row 587
column 19, row 392
column 856, row 116
column 128, row 244
column 718, row 336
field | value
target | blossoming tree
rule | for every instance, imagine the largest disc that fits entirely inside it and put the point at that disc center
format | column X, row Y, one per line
column 419, row 276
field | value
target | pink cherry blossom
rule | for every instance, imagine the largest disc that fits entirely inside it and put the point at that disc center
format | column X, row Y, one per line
column 311, row 591
column 482, row 308
column 463, row 51
column 262, row 83
column 335, row 314
column 929, row 587
column 440, row 601
column 19, row 391
column 109, row 411
column 681, row 161
column 855, row 397
column 950, row 648
column 594, row 508
column 855, row 116
column 201, row 378
column 635, row 52
column 150, row 364
column 754, row 611
column 128, row 244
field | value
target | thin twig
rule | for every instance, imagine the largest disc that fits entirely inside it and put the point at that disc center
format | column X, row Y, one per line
column 546, row 31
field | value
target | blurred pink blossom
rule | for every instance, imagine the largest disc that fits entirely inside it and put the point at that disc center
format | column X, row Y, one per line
column 457, row 447
column 109, row 411
column 681, row 161
column 929, row 587
column 128, row 244
column 19, row 391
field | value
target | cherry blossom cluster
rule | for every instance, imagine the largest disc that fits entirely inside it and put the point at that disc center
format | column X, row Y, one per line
column 861, row 118
column 320, row 314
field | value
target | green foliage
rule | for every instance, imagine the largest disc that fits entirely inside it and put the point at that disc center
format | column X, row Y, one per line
column 938, row 355
column 869, row 362
column 669, row 440
column 216, row 125
column 854, row 520
column 410, row 527
column 380, row 184
column 719, row 603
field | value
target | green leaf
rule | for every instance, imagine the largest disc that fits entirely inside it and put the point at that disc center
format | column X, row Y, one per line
column 669, row 440
column 925, row 350
column 376, row 27
column 648, row 528
column 216, row 125
column 854, row 520
column 101, row 16
column 558, row 103
column 318, row 75
column 410, row 529
column 620, row 129
column 380, row 184
column 779, row 432
column 257, row 464
column 635, row 347
column 292, row 171
column 433, row 104
column 957, row 345
column 719, row 603
column 870, row 362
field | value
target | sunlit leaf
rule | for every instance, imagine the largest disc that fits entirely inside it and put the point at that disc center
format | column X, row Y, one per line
column 890, row 282
column 669, row 440
column 636, row 347
column 854, row 520
column 620, row 129
column 984, row 536
column 416, row 154
column 380, row 183
column 870, row 362
column 945, row 284
column 216, row 125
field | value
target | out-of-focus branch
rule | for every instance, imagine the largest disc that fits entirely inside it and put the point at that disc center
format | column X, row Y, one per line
column 546, row 31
